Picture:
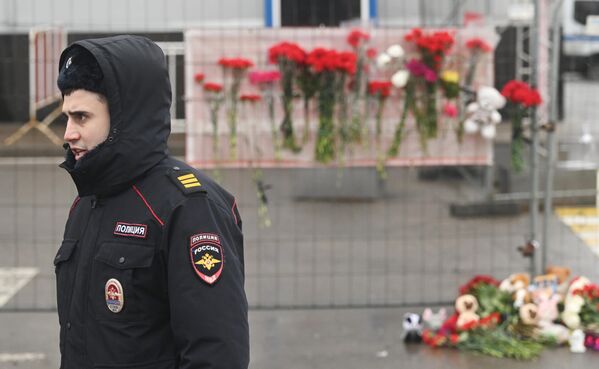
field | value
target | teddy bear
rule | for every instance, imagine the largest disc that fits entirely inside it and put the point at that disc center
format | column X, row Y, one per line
column 466, row 307
column 483, row 114
column 563, row 277
column 547, row 313
column 434, row 321
column 517, row 284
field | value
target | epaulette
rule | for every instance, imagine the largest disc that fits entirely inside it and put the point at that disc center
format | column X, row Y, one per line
column 186, row 181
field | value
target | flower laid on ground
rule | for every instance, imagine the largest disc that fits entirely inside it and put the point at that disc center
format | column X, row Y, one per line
column 288, row 57
column 236, row 68
column 522, row 97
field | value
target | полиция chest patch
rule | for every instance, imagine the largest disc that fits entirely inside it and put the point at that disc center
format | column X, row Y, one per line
column 207, row 256
column 131, row 230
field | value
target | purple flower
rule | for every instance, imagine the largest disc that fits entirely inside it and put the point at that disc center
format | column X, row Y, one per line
column 419, row 69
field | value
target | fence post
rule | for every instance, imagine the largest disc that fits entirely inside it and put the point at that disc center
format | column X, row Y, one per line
column 552, row 129
column 534, row 166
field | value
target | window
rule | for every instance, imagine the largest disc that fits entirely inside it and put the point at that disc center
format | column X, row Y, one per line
column 297, row 13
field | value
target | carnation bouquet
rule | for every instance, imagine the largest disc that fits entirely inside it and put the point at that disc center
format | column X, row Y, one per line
column 236, row 68
column 522, row 97
column 289, row 57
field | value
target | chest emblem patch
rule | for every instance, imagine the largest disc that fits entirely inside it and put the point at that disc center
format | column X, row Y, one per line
column 115, row 296
column 207, row 256
column 131, row 230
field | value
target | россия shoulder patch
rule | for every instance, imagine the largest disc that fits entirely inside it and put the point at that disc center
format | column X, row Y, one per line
column 207, row 256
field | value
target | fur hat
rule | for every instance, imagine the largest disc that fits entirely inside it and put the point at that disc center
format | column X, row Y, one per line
column 80, row 71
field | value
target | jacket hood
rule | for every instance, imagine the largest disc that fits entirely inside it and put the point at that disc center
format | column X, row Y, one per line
column 138, row 91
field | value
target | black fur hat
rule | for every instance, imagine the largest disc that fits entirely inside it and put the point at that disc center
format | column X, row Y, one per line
column 80, row 71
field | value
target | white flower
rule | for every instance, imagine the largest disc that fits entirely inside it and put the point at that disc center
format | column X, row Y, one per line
column 400, row 78
column 470, row 126
column 488, row 131
column 396, row 51
column 383, row 60
column 571, row 320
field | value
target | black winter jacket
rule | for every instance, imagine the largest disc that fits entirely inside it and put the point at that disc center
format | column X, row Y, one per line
column 150, row 274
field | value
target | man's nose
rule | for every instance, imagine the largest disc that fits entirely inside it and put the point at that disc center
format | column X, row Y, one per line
column 71, row 134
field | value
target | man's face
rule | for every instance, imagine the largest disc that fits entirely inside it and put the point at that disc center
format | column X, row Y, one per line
column 88, row 121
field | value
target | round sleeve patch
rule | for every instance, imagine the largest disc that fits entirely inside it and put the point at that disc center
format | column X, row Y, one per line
column 207, row 256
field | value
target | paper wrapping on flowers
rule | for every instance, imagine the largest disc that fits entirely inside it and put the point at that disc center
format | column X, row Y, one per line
column 254, row 139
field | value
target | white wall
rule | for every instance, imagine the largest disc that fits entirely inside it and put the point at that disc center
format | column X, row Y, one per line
column 165, row 15
column 131, row 15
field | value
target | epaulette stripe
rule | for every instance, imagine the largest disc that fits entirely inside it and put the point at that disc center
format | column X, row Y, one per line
column 191, row 180
column 187, row 176
column 196, row 184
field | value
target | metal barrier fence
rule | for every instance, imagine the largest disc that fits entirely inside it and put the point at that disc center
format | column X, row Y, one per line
column 367, row 242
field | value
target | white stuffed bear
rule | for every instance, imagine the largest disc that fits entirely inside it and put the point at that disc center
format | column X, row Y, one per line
column 483, row 115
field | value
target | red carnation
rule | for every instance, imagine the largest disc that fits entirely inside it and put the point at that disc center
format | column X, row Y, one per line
column 346, row 62
column 478, row 44
column 321, row 59
column 356, row 37
column 379, row 88
column 521, row 93
column 371, row 53
column 213, row 87
column 250, row 97
column 199, row 77
column 287, row 51
column 235, row 63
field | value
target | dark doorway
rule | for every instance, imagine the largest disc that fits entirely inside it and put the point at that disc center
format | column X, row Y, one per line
column 298, row 13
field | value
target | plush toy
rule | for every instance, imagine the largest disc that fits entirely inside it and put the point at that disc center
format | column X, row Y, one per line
column 563, row 277
column 577, row 341
column 548, row 312
column 466, row 307
column 434, row 321
column 529, row 314
column 412, row 328
column 483, row 115
column 517, row 285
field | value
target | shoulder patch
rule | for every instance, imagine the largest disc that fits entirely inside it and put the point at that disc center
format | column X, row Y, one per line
column 186, row 181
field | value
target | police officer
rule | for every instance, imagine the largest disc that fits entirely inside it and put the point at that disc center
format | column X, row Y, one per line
column 150, row 274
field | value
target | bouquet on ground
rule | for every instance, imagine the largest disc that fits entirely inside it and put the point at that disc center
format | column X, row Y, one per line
column 235, row 68
column 523, row 99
